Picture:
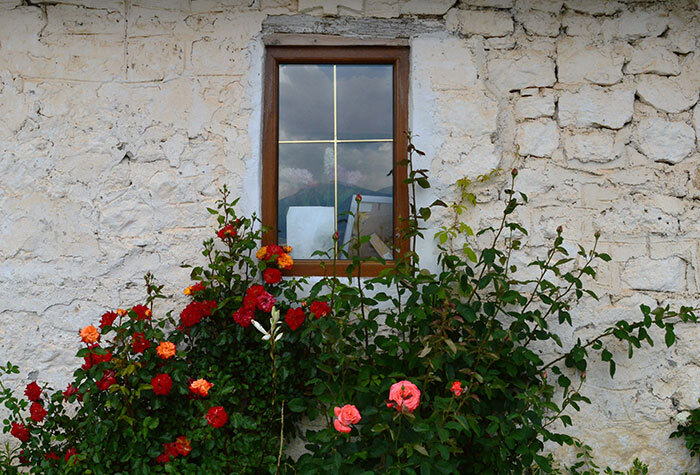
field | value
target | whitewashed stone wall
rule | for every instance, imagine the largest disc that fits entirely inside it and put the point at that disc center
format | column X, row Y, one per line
column 120, row 119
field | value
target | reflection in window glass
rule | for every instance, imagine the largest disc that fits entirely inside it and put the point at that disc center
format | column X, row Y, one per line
column 365, row 169
column 306, row 102
column 365, row 101
column 335, row 142
column 306, row 204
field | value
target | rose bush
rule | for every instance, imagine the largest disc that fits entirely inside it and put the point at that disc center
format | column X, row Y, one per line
column 412, row 371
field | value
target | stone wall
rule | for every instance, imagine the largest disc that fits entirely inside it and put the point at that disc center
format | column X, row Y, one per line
column 120, row 119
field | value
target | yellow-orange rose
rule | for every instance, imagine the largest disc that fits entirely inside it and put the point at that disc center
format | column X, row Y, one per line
column 201, row 387
column 89, row 334
column 261, row 253
column 285, row 261
column 166, row 350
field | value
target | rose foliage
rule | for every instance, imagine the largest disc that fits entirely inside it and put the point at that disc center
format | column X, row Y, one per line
column 412, row 371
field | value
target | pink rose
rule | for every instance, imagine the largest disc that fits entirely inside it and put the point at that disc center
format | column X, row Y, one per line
column 404, row 395
column 345, row 417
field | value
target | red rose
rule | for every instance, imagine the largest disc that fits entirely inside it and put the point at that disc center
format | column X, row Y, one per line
column 70, row 390
column 107, row 319
column 295, row 318
column 226, row 232
column 71, row 452
column 140, row 344
column 107, row 380
column 51, row 456
column 20, row 431
column 33, row 391
column 217, row 417
column 272, row 276
column 258, row 296
column 273, row 251
column 142, row 312
column 320, row 309
column 37, row 412
column 162, row 384
column 195, row 311
column 163, row 458
column 244, row 316
column 170, row 449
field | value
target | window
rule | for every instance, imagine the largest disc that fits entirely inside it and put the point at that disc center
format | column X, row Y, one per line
column 335, row 122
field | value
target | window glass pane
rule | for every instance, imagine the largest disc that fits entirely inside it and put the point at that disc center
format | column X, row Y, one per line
column 365, row 101
column 306, row 219
column 365, row 168
column 305, row 102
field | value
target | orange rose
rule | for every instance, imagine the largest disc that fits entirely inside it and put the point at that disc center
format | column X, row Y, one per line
column 166, row 350
column 261, row 253
column 182, row 445
column 201, row 387
column 89, row 335
column 285, row 261
column 287, row 249
column 121, row 312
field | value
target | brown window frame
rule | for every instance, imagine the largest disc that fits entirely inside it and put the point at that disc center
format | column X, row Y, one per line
column 276, row 55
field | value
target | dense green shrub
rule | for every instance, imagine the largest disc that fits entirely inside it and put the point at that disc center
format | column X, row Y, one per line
column 413, row 371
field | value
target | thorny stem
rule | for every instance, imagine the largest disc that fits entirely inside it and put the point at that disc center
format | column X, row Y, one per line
column 359, row 272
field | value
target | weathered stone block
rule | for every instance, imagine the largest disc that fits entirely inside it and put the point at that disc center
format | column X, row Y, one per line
column 552, row 6
column 539, row 138
column 519, row 69
column 425, row 7
column 490, row 3
column 154, row 58
column 696, row 123
column 329, row 7
column 477, row 22
column 578, row 60
column 632, row 25
column 539, row 23
column 533, row 107
column 652, row 55
column 592, row 106
column 576, row 24
column 75, row 20
column 447, row 61
column 594, row 7
column 594, row 146
column 668, row 94
column 665, row 141
column 662, row 275
column 383, row 8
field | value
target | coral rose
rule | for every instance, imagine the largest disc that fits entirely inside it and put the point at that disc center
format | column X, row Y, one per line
column 272, row 275
column 320, row 308
column 295, row 318
column 37, row 412
column 345, row 417
column 20, row 431
column 162, row 384
column 89, row 334
column 404, row 395
column 457, row 388
column 216, row 417
column 166, row 350
column 201, row 387
column 33, row 391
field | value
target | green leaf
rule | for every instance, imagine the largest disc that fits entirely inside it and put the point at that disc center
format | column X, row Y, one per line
column 670, row 336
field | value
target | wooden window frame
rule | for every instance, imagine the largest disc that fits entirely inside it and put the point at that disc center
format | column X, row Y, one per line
column 276, row 55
